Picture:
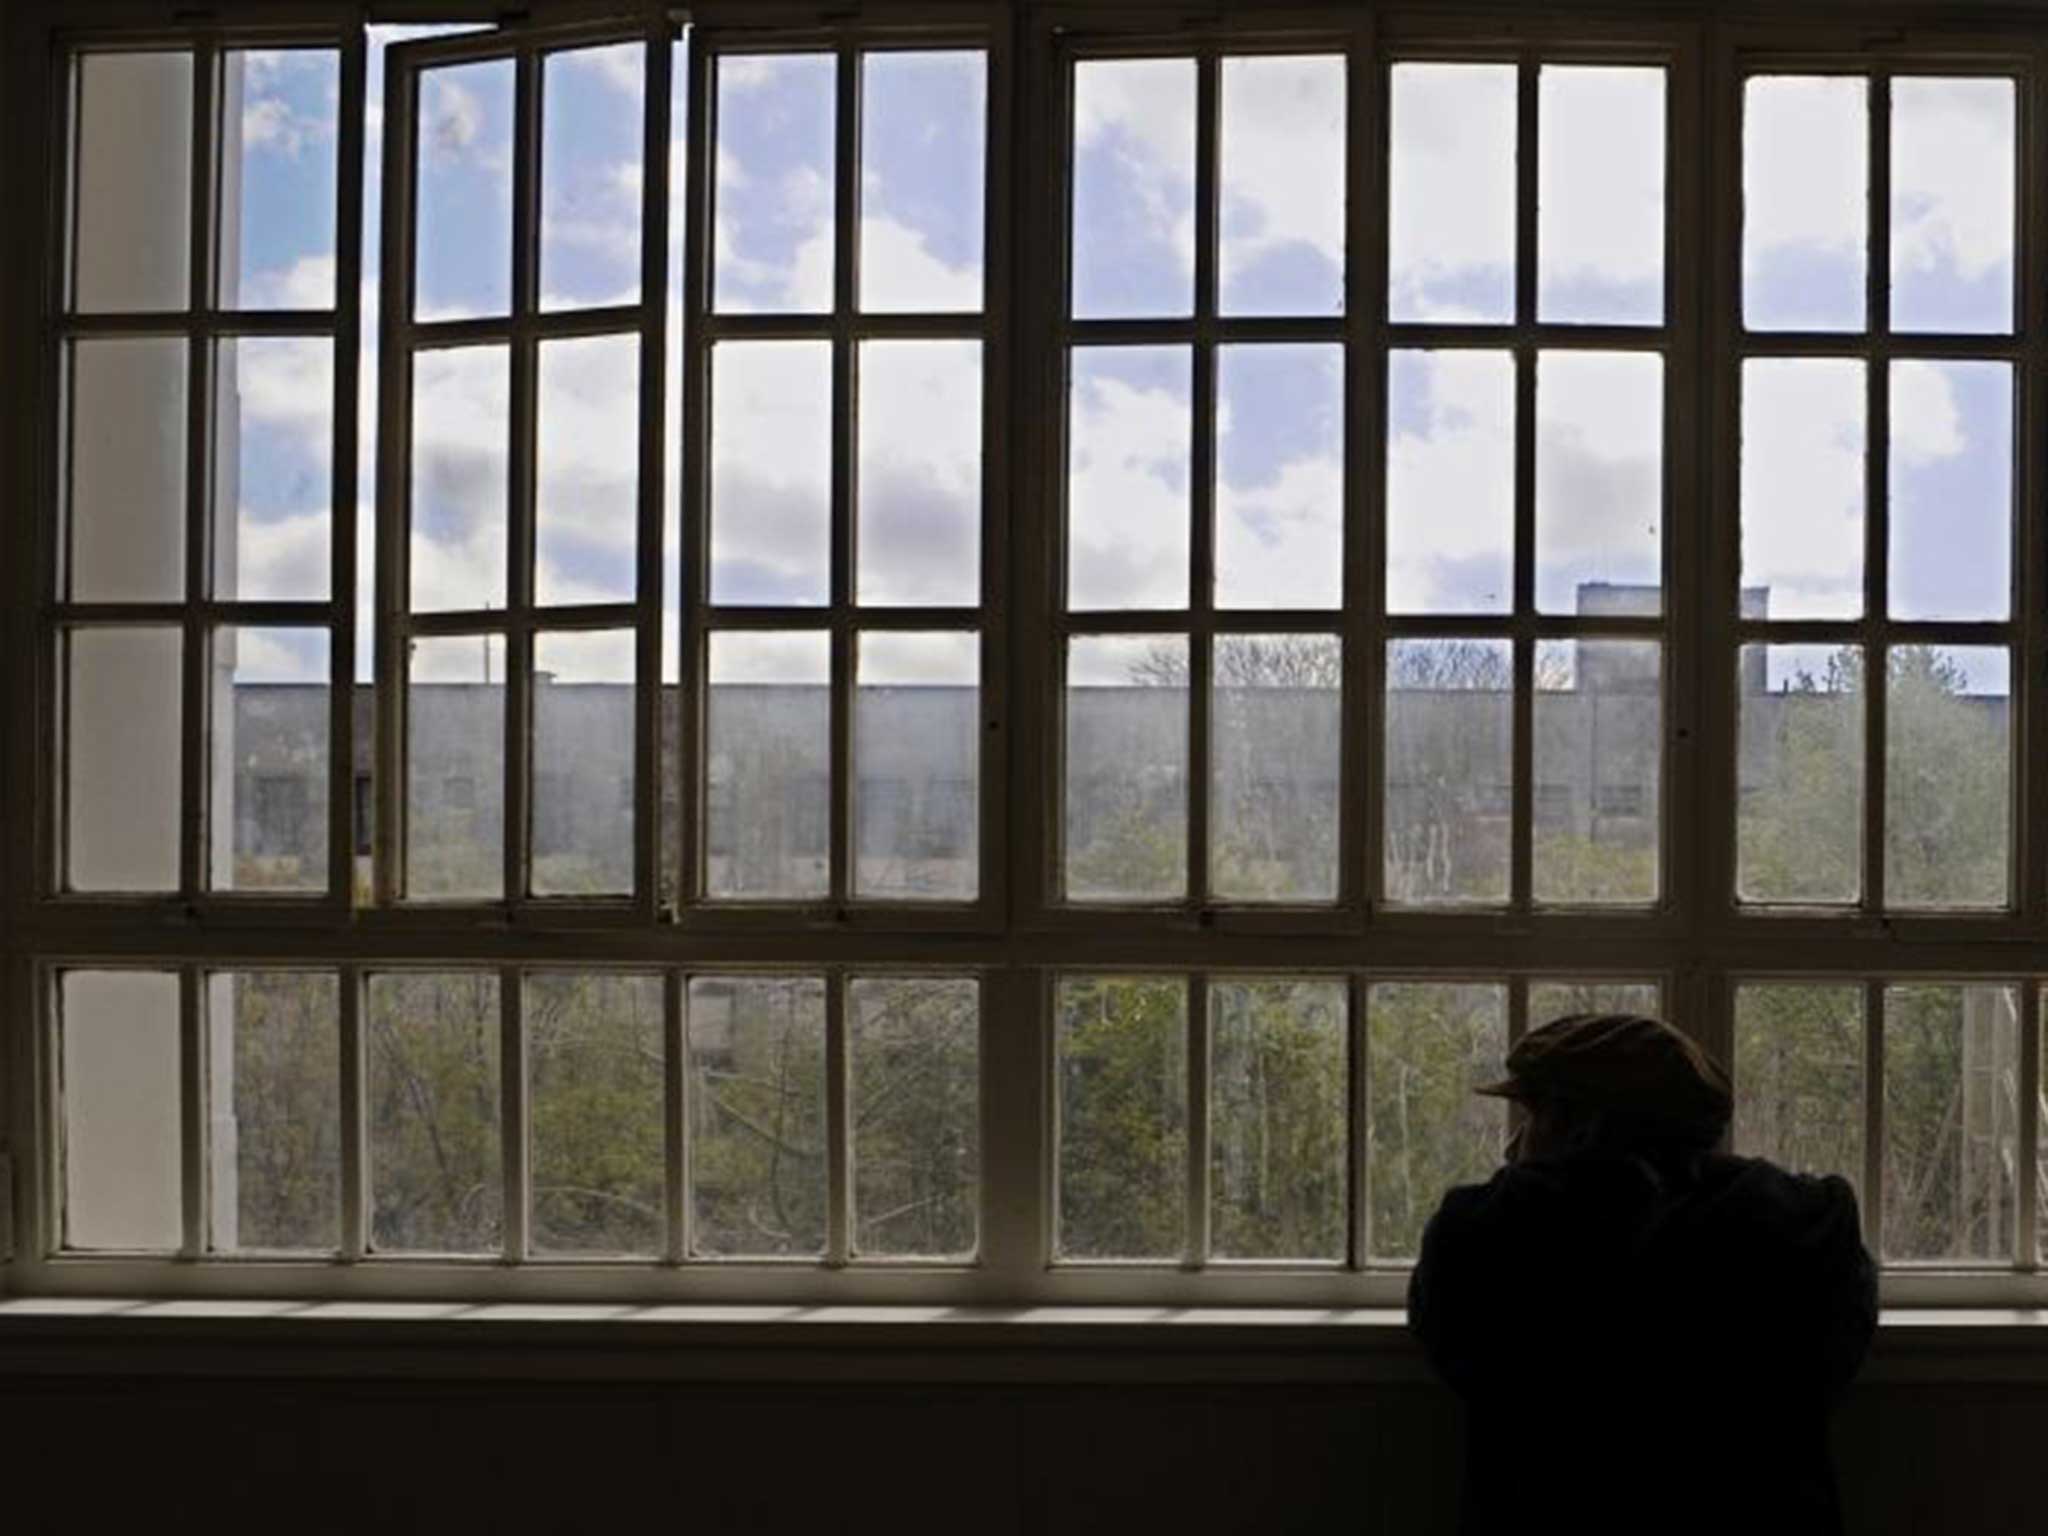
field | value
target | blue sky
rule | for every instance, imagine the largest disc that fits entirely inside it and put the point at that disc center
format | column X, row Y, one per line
column 1280, row 445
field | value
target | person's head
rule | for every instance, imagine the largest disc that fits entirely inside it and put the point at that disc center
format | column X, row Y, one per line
column 1613, row 1082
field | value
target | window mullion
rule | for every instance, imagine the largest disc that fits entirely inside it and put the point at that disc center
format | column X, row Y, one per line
column 353, row 1103
column 1522, row 792
column 648, row 754
column 1202, row 489
column 846, row 403
column 348, row 331
column 1876, row 496
column 1365, row 286
column 192, row 1113
column 694, row 480
column 195, row 866
column 524, row 387
column 515, row 1134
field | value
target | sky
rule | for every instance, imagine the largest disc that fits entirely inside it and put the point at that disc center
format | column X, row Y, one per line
column 1280, row 458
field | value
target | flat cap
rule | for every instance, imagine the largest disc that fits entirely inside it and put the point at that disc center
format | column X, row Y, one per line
column 1625, row 1062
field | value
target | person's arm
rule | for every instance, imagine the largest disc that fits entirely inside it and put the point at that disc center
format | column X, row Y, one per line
column 1847, row 1292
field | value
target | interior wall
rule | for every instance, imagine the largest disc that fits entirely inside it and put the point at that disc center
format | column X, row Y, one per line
column 341, row 1455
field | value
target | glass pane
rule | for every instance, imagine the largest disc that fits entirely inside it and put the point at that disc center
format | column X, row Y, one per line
column 757, row 1114
column 268, row 736
column 278, row 234
column 1600, row 482
column 1951, row 1122
column 1950, row 483
column 123, row 741
column 1129, row 450
column 461, row 490
column 1279, row 1086
column 923, row 157
column 1600, row 195
column 1805, row 202
column 1134, row 188
column 455, row 769
column 1275, row 757
column 1428, row 1045
column 594, row 1063
column 917, row 767
column 1126, row 824
column 1450, row 482
column 1799, row 774
column 1599, row 725
column 593, row 124
column 1549, row 1000
column 131, row 244
column 774, row 182
column 1451, row 198
column 1123, row 1091
column 463, row 237
column 584, row 828
column 1948, row 776
column 435, row 1181
column 1799, row 1077
column 1803, row 438
column 915, row 1046
column 1953, row 144
column 767, row 765
column 122, row 1126
column 128, row 452
column 273, row 490
column 587, row 429
column 919, row 492
column 1279, row 476
column 1450, row 770
column 771, row 472
column 274, row 1068
column 1281, row 194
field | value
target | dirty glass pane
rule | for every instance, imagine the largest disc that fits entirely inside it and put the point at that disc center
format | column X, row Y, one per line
column 595, row 1065
column 121, row 1118
column 1449, row 770
column 917, row 766
column 1275, row 760
column 915, row 1045
column 455, row 769
column 583, row 764
column 1799, row 774
column 1948, row 776
column 1550, row 1000
column 1126, row 809
column 1799, row 1077
column 1279, row 1090
column 1805, row 202
column 767, row 765
column 1134, row 188
column 1951, row 1122
column 1122, row 1074
column 1429, row 1044
column 757, row 1115
column 435, row 1182
column 270, row 762
column 274, row 1065
column 1598, row 761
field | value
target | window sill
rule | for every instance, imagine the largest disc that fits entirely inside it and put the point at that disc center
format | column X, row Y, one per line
column 1026, row 1345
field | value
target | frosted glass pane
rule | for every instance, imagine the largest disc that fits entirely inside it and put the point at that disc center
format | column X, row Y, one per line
column 128, row 456
column 122, row 1129
column 122, row 745
column 132, row 193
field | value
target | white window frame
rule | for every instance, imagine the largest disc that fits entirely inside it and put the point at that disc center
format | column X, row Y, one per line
column 1019, row 938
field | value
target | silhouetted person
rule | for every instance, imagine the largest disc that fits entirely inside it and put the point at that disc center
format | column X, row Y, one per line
column 1648, row 1335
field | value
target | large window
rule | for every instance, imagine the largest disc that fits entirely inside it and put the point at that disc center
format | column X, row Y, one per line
column 976, row 656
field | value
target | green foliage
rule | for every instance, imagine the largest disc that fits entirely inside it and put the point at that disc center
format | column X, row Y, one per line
column 1122, row 1117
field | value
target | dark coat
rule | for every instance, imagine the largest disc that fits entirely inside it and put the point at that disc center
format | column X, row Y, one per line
column 1643, row 1350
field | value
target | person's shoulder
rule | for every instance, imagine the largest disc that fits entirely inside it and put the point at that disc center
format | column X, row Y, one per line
column 1805, row 1206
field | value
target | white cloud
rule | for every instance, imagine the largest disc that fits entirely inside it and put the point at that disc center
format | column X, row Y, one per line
column 1802, row 484
column 770, row 470
column 794, row 658
column 1281, row 545
column 1952, row 174
column 898, row 271
column 588, row 461
column 1143, row 110
column 1453, row 181
column 288, row 555
column 1805, row 178
column 1450, row 487
column 451, row 118
column 902, row 658
column 461, row 403
column 622, row 66
column 1601, row 194
column 1599, row 480
column 308, row 283
column 1283, row 156
column 1926, row 422
column 1127, row 521
column 920, row 472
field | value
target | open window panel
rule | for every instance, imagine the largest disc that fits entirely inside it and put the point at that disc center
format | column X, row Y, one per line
column 1878, row 634
column 840, row 661
column 1203, row 655
column 200, row 624
column 1526, row 437
column 521, row 400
